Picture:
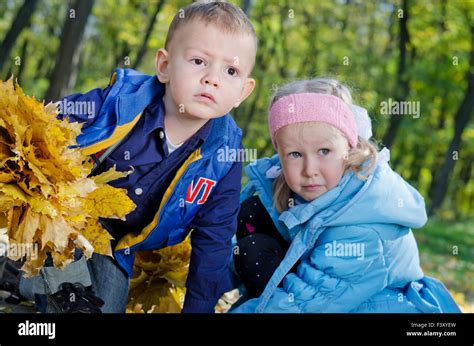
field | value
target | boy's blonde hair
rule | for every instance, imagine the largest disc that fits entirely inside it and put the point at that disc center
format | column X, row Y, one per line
column 365, row 149
column 226, row 16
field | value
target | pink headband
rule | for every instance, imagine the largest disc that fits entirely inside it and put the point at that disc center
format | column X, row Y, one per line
column 304, row 107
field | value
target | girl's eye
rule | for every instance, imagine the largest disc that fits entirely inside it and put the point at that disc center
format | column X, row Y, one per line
column 232, row 71
column 294, row 155
column 324, row 152
column 197, row 61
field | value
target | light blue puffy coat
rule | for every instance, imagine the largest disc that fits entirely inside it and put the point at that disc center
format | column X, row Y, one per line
column 357, row 251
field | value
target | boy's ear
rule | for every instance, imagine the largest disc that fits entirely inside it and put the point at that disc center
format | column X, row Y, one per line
column 161, row 65
column 246, row 91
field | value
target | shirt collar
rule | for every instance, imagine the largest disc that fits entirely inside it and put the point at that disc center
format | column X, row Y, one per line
column 203, row 132
column 154, row 120
column 154, row 117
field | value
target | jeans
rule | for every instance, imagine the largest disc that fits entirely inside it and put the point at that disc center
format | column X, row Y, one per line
column 109, row 282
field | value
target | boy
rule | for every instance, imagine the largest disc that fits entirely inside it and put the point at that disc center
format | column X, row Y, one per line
column 169, row 128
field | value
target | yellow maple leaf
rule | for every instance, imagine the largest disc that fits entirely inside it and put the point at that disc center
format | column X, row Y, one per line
column 98, row 237
column 107, row 201
column 110, row 175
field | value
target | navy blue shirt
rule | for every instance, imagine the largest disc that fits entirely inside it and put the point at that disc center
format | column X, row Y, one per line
column 214, row 225
column 145, row 149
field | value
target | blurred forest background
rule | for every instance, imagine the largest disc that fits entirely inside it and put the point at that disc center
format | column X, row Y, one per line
column 404, row 50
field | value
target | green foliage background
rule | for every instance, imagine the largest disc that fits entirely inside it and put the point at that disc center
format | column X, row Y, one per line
column 355, row 41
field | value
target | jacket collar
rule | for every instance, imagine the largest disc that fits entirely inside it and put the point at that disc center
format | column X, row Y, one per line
column 262, row 173
column 129, row 105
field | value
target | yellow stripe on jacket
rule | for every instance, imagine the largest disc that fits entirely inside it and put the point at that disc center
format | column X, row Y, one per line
column 132, row 238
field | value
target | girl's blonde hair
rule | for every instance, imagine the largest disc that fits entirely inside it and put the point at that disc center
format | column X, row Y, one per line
column 365, row 149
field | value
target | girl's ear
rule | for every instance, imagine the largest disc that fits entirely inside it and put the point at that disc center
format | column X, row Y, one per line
column 345, row 155
column 161, row 65
column 345, row 159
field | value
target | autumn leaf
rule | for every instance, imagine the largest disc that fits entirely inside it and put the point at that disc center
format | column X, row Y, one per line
column 107, row 201
column 95, row 234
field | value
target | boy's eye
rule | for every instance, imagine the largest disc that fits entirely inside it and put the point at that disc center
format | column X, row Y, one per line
column 232, row 71
column 294, row 155
column 197, row 61
column 324, row 151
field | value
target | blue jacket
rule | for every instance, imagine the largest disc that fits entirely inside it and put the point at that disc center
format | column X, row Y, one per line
column 356, row 248
column 128, row 95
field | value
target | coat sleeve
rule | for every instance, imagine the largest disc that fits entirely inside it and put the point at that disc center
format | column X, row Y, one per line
column 214, row 226
column 336, row 277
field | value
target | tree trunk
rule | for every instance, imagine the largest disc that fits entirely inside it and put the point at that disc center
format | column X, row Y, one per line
column 20, row 22
column 462, row 117
column 42, row 70
column 311, row 57
column 125, row 52
column 64, row 73
column 247, row 6
column 442, row 20
column 247, row 112
column 149, row 30
column 345, row 21
column 283, row 42
column 402, row 80
column 23, row 56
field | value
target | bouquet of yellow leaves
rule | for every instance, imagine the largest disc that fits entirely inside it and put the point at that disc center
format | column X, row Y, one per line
column 47, row 201
column 159, row 279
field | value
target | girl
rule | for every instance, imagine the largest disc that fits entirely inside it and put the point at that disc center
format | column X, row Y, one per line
column 330, row 228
